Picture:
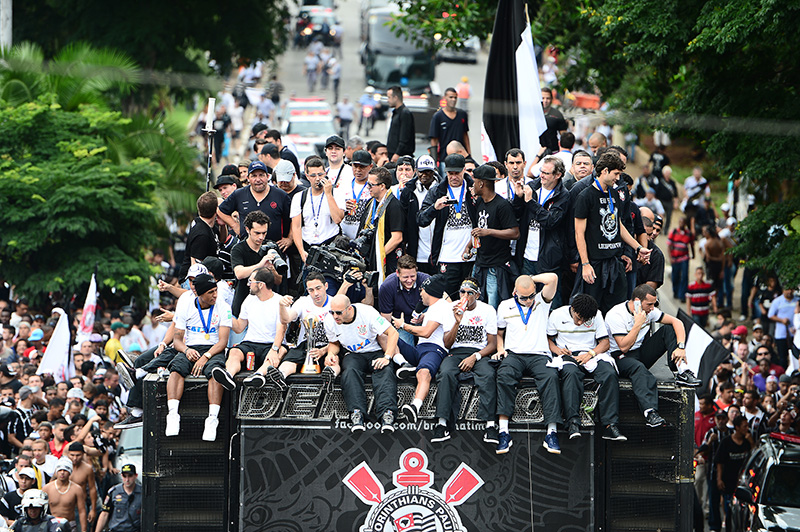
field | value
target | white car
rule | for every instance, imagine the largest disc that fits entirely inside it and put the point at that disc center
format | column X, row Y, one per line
column 308, row 129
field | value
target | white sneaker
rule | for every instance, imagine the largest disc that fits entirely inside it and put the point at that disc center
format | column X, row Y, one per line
column 173, row 424
column 210, row 432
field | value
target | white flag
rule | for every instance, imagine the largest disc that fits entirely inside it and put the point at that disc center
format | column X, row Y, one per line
column 487, row 150
column 529, row 96
column 57, row 360
column 89, row 310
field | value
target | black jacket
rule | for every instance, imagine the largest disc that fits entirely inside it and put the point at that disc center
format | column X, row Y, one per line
column 428, row 213
column 400, row 139
column 553, row 218
column 411, row 206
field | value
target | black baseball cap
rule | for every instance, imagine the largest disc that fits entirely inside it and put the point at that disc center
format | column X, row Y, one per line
column 485, row 172
column 454, row 163
column 362, row 158
column 226, row 180
column 336, row 140
column 128, row 468
column 258, row 128
column 407, row 160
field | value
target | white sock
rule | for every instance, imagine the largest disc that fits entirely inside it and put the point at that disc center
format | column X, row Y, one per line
column 442, row 422
column 504, row 425
column 647, row 411
column 137, row 412
column 551, row 428
column 213, row 410
column 399, row 359
column 683, row 366
column 489, row 424
column 140, row 373
column 417, row 403
column 172, row 405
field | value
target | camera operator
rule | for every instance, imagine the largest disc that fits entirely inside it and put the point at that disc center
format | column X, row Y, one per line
column 315, row 213
column 383, row 218
column 250, row 255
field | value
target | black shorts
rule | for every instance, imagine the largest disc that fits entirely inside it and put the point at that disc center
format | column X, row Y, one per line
column 183, row 366
column 261, row 351
column 297, row 355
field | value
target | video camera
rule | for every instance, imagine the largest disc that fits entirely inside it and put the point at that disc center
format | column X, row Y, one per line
column 270, row 250
column 340, row 264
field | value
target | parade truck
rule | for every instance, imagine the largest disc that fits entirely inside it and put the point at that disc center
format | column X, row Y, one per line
column 391, row 60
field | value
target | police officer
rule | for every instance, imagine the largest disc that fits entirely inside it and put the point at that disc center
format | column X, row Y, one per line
column 122, row 508
column 36, row 518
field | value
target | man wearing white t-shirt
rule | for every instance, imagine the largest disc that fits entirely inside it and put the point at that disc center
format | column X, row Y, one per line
column 338, row 170
column 578, row 336
column 260, row 317
column 635, row 350
column 201, row 335
column 523, row 348
column 352, row 195
column 471, row 342
column 310, row 309
column 424, row 358
column 315, row 213
column 352, row 331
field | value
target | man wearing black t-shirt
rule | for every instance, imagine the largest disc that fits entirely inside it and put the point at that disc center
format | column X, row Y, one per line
column 448, row 124
column 261, row 196
column 384, row 215
column 201, row 241
column 495, row 227
column 600, row 237
column 247, row 256
column 651, row 273
column 274, row 136
column 555, row 122
column 731, row 456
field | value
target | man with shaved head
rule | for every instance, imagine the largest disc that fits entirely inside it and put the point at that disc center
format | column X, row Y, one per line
column 352, row 330
column 524, row 350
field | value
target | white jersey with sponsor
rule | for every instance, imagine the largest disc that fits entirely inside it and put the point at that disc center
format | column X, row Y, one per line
column 576, row 338
column 361, row 335
column 619, row 321
column 522, row 337
column 306, row 310
column 205, row 330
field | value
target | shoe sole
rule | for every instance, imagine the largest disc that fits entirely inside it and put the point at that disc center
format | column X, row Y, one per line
column 409, row 413
column 656, row 425
column 504, row 451
column 125, row 358
column 440, row 439
column 256, row 381
column 406, row 373
column 224, row 378
column 619, row 438
column 328, row 378
column 550, row 449
column 123, row 426
column 387, row 429
column 276, row 377
column 357, row 428
column 574, row 435
column 696, row 384
column 124, row 376
column 491, row 440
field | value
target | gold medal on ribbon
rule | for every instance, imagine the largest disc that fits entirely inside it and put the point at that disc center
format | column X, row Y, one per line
column 208, row 336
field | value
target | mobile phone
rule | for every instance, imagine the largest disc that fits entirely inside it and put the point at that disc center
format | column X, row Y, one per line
column 637, row 306
column 450, row 201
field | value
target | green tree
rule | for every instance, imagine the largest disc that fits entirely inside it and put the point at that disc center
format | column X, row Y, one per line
column 445, row 23
column 67, row 206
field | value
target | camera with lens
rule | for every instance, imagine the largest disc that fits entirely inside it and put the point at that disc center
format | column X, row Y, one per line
column 270, row 250
column 339, row 264
column 362, row 243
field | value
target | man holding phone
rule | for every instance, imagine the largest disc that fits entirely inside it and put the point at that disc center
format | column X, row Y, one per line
column 315, row 213
column 636, row 350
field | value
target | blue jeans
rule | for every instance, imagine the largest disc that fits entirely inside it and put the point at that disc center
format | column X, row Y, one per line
column 730, row 273
column 492, row 292
column 680, row 279
column 407, row 337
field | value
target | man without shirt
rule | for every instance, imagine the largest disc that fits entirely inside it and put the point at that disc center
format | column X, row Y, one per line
column 265, row 332
column 471, row 343
column 66, row 496
column 83, row 476
column 578, row 336
column 424, row 358
column 523, row 348
column 352, row 331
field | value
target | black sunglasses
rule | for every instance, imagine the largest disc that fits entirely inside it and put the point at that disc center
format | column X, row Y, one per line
column 525, row 298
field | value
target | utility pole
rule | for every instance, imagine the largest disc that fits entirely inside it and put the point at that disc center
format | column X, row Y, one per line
column 5, row 25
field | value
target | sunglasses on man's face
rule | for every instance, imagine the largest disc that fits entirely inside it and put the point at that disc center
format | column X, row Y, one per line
column 526, row 298
column 338, row 312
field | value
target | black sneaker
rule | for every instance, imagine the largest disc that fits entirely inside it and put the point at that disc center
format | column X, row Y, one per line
column 654, row 419
column 440, row 433
column 411, row 412
column 328, row 376
column 406, row 371
column 222, row 376
column 256, row 379
column 612, row 433
column 574, row 430
column 127, row 375
column 387, row 422
column 276, row 377
column 491, row 435
column 357, row 418
column 125, row 357
column 130, row 422
column 687, row 378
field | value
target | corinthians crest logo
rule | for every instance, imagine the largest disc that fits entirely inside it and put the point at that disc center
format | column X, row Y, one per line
column 413, row 506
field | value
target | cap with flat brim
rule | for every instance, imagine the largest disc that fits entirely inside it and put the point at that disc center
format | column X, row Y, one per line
column 485, row 172
column 361, row 158
column 226, row 180
column 454, row 163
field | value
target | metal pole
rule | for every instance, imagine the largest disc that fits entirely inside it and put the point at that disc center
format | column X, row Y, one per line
column 209, row 129
column 5, row 25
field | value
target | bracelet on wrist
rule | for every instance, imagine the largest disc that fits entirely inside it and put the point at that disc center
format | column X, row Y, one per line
column 584, row 264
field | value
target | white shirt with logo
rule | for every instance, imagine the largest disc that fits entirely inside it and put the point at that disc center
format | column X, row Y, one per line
column 306, row 309
column 187, row 318
column 619, row 321
column 576, row 338
column 519, row 337
column 360, row 336
column 475, row 325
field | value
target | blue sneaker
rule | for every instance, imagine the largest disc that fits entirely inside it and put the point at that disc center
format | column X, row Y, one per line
column 505, row 443
column 551, row 443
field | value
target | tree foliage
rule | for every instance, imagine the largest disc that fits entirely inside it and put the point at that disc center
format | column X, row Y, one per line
column 445, row 23
column 67, row 206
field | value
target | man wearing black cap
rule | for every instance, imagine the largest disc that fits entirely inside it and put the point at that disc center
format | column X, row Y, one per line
column 400, row 139
column 424, row 359
column 122, row 507
column 8, row 377
column 495, row 227
column 338, row 171
column 226, row 184
column 272, row 201
column 450, row 206
column 353, row 195
column 417, row 239
column 201, row 335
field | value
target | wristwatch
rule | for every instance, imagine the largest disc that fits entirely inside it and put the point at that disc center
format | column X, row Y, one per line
column 681, row 345
column 207, row 355
column 477, row 357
